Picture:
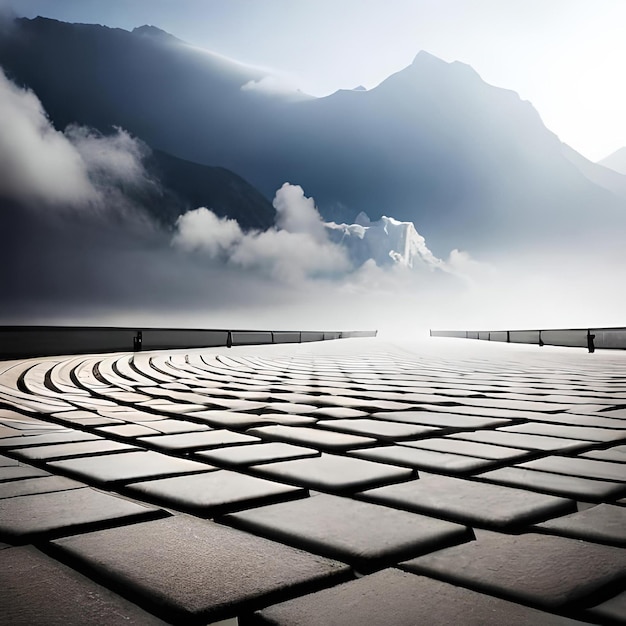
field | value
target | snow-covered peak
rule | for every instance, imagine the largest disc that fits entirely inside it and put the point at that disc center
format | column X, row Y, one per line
column 386, row 241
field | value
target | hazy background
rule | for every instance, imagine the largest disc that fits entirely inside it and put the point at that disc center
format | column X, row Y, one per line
column 83, row 241
column 566, row 56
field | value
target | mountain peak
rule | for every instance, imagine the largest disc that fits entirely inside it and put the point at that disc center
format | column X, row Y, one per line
column 147, row 30
column 427, row 60
column 426, row 57
column 616, row 161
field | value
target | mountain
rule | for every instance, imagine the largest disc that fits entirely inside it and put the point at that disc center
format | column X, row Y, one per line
column 387, row 242
column 189, row 185
column 470, row 164
column 616, row 161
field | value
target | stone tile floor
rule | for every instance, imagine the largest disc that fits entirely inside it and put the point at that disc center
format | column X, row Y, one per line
column 360, row 481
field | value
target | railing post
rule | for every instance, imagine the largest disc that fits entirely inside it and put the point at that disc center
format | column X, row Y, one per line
column 137, row 341
column 590, row 345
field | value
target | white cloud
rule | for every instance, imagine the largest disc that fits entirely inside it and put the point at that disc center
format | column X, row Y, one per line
column 80, row 167
column 296, row 213
column 297, row 247
column 202, row 230
column 37, row 162
column 290, row 256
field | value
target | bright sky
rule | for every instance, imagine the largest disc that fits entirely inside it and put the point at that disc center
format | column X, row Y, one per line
column 568, row 57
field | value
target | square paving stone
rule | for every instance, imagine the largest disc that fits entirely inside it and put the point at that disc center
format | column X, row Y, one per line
column 543, row 570
column 442, row 420
column 431, row 460
column 39, row 591
column 602, row 523
column 468, row 448
column 520, row 440
column 568, row 432
column 175, row 426
column 612, row 611
column 471, row 502
column 395, row 598
column 127, row 467
column 213, row 493
column 235, row 420
column 616, row 453
column 194, row 571
column 360, row 533
column 587, row 468
column 376, row 428
column 129, row 431
column 312, row 437
column 198, row 440
column 337, row 412
column 6, row 432
column 330, row 472
column 65, row 436
column 256, row 453
column 30, row 486
column 24, row 518
column 69, row 450
column 559, row 484
column 18, row 472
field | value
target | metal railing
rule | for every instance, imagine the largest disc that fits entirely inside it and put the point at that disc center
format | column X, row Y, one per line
column 30, row 341
column 613, row 338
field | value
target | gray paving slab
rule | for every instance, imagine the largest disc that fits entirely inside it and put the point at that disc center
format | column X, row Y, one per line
column 430, row 460
column 616, row 453
column 65, row 436
column 24, row 518
column 520, row 440
column 198, row 440
column 567, row 432
column 39, row 591
column 334, row 473
column 127, row 431
column 542, row 570
column 391, row 597
column 213, row 493
column 612, row 611
column 312, row 437
column 575, row 487
column 6, row 432
column 127, row 467
column 84, row 418
column 363, row 534
column 469, row 448
column 587, row 468
column 471, row 502
column 18, row 472
column 377, row 428
column 256, row 453
column 236, row 420
column 194, row 571
column 442, row 420
column 603, row 523
column 30, row 486
column 69, row 450
column 338, row 412
column 174, row 426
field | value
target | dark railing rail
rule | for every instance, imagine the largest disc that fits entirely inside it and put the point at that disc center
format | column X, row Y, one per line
column 29, row 341
column 613, row 338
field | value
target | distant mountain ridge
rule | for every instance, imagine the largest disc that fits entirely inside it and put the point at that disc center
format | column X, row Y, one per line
column 470, row 164
column 616, row 161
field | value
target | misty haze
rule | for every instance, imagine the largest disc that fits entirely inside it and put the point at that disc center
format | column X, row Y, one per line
column 188, row 187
